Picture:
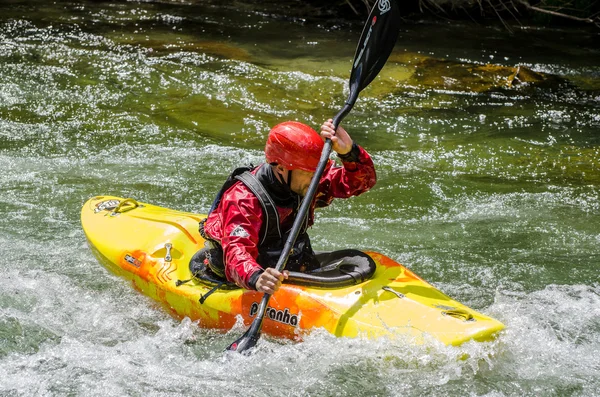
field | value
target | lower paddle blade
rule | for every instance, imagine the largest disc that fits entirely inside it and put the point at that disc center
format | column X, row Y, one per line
column 249, row 339
column 245, row 342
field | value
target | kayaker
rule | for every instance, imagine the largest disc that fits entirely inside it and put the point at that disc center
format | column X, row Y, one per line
column 250, row 219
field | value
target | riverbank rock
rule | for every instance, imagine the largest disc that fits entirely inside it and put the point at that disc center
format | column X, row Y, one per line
column 161, row 46
column 420, row 71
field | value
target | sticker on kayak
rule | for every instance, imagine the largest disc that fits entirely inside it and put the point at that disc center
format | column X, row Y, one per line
column 281, row 316
column 106, row 205
column 133, row 261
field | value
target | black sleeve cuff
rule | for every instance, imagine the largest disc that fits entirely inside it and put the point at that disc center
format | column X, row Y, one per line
column 254, row 278
column 352, row 156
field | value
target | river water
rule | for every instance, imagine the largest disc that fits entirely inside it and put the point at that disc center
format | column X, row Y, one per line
column 491, row 193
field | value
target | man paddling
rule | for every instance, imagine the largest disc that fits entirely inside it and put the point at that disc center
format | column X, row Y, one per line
column 253, row 213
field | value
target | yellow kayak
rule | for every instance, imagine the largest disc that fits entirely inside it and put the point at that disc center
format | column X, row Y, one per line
column 152, row 247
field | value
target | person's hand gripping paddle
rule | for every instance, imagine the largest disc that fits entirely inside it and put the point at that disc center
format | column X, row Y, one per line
column 374, row 47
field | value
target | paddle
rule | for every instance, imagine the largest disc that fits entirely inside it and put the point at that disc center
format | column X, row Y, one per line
column 374, row 47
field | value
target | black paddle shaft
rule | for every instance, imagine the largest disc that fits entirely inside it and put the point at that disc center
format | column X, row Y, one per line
column 374, row 47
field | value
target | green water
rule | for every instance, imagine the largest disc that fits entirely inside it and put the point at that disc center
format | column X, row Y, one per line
column 490, row 193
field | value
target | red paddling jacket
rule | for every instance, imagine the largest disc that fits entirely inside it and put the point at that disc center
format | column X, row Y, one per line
column 239, row 221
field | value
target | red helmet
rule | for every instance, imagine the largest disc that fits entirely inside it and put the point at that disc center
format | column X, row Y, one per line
column 295, row 146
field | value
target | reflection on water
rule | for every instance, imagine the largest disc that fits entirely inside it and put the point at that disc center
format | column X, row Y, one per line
column 487, row 190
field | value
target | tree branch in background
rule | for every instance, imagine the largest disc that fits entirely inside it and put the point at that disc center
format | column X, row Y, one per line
column 426, row 3
column 595, row 20
column 352, row 7
column 500, row 8
column 368, row 5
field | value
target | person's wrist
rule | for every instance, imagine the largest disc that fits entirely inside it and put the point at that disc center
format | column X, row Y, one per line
column 345, row 153
column 254, row 279
column 352, row 155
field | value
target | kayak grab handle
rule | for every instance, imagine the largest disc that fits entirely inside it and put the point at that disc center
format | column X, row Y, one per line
column 168, row 257
column 459, row 314
column 126, row 205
